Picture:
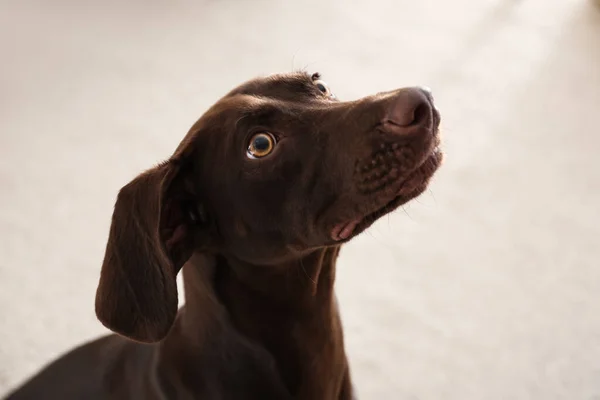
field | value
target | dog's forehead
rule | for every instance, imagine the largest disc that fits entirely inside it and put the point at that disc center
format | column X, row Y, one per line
column 278, row 93
column 292, row 86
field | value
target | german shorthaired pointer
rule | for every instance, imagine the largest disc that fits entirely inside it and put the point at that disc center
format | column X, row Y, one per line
column 254, row 205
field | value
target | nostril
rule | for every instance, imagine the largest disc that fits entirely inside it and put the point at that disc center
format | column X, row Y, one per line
column 421, row 114
column 408, row 108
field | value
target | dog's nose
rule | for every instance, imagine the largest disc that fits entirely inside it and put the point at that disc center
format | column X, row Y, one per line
column 410, row 107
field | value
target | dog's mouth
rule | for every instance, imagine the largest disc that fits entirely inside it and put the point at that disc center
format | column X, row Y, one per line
column 405, row 190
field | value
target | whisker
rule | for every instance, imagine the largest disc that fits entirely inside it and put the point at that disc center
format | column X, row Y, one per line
column 432, row 195
column 406, row 212
column 240, row 119
column 294, row 58
column 306, row 273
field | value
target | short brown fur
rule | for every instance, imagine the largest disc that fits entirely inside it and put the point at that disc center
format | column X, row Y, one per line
column 257, row 240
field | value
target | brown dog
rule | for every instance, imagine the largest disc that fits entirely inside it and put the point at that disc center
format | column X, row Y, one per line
column 255, row 202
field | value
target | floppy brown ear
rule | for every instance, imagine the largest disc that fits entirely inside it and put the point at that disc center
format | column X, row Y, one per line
column 149, row 241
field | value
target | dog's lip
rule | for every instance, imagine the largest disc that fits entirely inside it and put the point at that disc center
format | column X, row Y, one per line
column 345, row 230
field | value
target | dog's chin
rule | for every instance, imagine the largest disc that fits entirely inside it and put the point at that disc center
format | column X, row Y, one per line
column 403, row 191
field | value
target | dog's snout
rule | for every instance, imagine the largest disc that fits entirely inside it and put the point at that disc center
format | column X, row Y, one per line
column 410, row 107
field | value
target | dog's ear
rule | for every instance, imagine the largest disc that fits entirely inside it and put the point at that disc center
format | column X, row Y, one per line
column 151, row 237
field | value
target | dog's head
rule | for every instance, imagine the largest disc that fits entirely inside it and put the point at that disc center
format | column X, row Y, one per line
column 275, row 169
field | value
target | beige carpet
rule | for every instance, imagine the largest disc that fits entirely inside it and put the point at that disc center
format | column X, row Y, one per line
column 487, row 287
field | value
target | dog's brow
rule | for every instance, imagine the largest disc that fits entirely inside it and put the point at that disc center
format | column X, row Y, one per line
column 259, row 105
column 283, row 87
column 263, row 114
column 237, row 122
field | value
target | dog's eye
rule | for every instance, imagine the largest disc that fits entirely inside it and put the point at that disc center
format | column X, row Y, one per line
column 261, row 145
column 323, row 87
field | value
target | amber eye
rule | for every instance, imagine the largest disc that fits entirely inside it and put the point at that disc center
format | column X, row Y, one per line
column 261, row 145
column 323, row 87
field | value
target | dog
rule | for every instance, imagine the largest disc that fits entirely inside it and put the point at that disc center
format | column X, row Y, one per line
column 254, row 206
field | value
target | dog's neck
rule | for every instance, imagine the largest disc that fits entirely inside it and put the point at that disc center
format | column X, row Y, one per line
column 299, row 283
column 289, row 310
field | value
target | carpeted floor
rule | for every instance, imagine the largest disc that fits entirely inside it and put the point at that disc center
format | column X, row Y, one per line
column 487, row 287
